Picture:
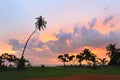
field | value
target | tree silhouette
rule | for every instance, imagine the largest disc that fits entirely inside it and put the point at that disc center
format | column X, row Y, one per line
column 66, row 56
column 86, row 55
column 71, row 58
column 114, row 54
column 9, row 58
column 63, row 59
column 10, row 61
column 40, row 25
column 111, row 48
column 80, row 58
column 23, row 62
column 93, row 59
column 103, row 61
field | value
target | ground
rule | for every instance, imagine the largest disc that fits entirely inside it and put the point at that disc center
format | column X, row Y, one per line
column 83, row 77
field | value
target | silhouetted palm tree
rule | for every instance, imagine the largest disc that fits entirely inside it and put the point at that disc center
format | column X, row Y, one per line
column 111, row 48
column 111, row 51
column 86, row 54
column 114, row 54
column 79, row 58
column 71, row 58
column 93, row 59
column 62, row 59
column 103, row 61
column 40, row 25
column 66, row 56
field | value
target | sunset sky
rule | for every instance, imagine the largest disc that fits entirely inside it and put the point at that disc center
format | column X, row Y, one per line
column 72, row 25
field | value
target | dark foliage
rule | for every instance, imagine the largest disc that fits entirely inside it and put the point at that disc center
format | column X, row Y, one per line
column 10, row 61
column 114, row 54
column 86, row 55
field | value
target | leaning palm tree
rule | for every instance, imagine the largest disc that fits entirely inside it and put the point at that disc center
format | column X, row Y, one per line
column 39, row 25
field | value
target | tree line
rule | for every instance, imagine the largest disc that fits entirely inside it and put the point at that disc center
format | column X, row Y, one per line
column 10, row 61
column 86, row 56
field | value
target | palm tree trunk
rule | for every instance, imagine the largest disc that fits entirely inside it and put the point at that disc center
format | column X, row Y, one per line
column 22, row 56
column 64, row 64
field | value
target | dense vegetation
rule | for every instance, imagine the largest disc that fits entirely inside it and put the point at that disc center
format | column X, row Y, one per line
column 91, row 59
column 11, row 62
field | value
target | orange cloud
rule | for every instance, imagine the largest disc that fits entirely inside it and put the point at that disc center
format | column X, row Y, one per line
column 46, row 37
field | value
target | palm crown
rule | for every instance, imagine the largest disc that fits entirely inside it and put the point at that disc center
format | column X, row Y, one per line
column 41, row 23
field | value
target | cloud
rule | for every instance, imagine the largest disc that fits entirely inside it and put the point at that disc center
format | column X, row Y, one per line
column 87, row 37
column 66, row 42
column 112, row 25
column 36, row 51
column 61, row 45
column 80, row 37
column 93, row 38
column 36, row 43
column 16, row 44
column 107, row 19
column 92, row 23
column 63, row 36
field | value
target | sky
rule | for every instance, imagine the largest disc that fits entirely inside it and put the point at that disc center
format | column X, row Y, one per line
column 72, row 25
